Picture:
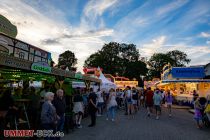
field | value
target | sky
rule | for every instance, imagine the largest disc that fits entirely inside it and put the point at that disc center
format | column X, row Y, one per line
column 84, row 26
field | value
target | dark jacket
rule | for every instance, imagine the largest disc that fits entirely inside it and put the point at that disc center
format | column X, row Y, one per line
column 60, row 105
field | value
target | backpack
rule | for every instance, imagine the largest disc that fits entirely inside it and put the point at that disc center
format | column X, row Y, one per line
column 135, row 96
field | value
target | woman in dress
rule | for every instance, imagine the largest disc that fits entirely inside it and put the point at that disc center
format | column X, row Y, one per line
column 112, row 105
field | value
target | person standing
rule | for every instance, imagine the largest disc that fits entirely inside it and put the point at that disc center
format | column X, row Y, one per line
column 100, row 102
column 78, row 108
column 197, row 114
column 49, row 118
column 157, row 98
column 207, row 108
column 60, row 104
column 92, row 107
column 169, row 100
column 129, row 100
column 112, row 105
column 135, row 100
column 149, row 101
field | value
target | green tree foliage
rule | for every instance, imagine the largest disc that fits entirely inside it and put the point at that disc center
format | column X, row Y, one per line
column 176, row 58
column 67, row 59
column 179, row 58
column 122, row 59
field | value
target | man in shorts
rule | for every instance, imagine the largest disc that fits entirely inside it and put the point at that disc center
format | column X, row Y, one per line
column 157, row 98
column 149, row 101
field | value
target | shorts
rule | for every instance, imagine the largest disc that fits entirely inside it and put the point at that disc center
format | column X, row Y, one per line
column 129, row 101
column 134, row 102
column 169, row 104
column 157, row 108
column 100, row 104
column 149, row 105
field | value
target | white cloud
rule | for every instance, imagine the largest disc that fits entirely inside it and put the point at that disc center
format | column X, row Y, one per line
column 171, row 7
column 34, row 27
column 205, row 35
column 198, row 54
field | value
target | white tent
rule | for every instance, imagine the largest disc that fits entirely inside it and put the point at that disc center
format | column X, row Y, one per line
column 105, row 83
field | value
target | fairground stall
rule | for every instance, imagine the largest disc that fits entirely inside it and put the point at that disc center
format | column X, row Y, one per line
column 182, row 81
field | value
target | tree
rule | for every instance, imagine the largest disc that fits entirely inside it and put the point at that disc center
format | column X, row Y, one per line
column 176, row 58
column 156, row 63
column 179, row 57
column 67, row 60
column 118, row 58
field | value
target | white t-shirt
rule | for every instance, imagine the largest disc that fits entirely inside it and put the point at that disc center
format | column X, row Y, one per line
column 100, row 98
column 128, row 94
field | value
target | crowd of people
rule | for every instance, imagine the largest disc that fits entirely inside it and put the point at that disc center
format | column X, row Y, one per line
column 101, row 102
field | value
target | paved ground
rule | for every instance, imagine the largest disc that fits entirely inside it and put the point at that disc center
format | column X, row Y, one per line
column 180, row 127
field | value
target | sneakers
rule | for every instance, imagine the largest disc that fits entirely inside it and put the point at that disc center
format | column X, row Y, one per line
column 79, row 126
column 112, row 120
column 99, row 115
column 148, row 114
column 157, row 118
column 107, row 119
column 170, row 115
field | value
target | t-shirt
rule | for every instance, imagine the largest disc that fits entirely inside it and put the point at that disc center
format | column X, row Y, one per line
column 92, row 96
column 100, row 98
column 157, row 98
column 128, row 94
column 149, row 97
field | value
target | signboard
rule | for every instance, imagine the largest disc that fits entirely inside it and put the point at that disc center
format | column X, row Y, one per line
column 124, row 84
column 188, row 72
column 41, row 67
column 7, row 27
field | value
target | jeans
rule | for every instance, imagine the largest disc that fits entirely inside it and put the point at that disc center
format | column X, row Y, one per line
column 111, row 112
column 61, row 122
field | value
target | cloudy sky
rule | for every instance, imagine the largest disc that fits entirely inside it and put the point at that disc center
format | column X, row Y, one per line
column 83, row 26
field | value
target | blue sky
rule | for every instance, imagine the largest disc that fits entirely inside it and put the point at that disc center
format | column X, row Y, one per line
column 83, row 26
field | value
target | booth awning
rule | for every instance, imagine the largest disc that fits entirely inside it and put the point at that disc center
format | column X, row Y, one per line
column 187, row 81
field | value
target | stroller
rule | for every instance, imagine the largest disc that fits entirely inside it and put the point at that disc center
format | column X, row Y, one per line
column 205, row 118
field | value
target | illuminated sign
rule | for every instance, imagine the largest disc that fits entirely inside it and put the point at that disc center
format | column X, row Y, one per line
column 188, row 72
column 41, row 67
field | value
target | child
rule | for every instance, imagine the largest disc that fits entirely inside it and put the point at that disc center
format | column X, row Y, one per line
column 197, row 115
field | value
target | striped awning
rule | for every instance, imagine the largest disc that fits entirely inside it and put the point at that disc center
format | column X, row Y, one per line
column 187, row 81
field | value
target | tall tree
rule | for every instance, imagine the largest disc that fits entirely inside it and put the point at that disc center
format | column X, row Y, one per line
column 67, row 60
column 118, row 58
column 156, row 63
column 179, row 57
column 176, row 58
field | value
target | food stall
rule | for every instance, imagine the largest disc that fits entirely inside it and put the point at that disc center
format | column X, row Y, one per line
column 182, row 81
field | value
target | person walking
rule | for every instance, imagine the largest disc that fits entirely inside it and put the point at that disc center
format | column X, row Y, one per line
column 157, row 98
column 49, row 118
column 112, row 105
column 197, row 114
column 60, row 105
column 100, row 102
column 135, row 100
column 169, row 100
column 149, row 101
column 78, row 108
column 129, row 100
column 92, row 107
